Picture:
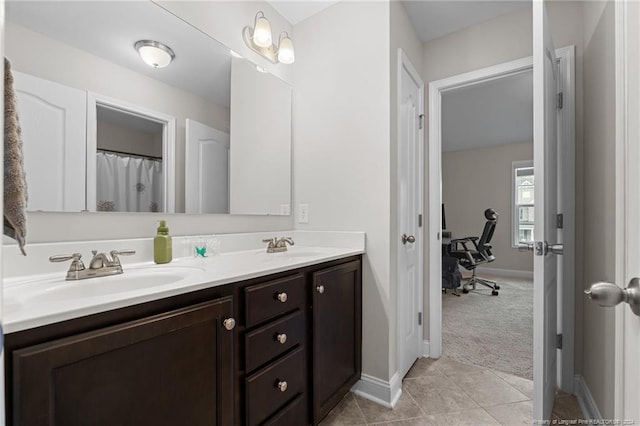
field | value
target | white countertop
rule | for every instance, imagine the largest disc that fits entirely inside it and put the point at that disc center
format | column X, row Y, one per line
column 46, row 298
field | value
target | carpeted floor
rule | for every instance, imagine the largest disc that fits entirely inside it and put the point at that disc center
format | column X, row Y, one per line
column 491, row 331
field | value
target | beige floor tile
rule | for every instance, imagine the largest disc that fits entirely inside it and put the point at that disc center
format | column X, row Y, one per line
column 424, row 367
column 518, row 413
column 474, row 417
column 438, row 394
column 449, row 367
column 523, row 385
column 406, row 408
column 345, row 413
column 566, row 407
column 488, row 389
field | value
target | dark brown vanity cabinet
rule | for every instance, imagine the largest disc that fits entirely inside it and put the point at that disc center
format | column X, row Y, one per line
column 175, row 368
column 293, row 354
column 336, row 334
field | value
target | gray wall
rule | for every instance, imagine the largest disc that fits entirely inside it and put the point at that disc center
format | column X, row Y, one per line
column 599, row 191
column 489, row 170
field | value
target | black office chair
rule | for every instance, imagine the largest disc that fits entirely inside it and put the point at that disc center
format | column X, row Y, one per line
column 480, row 253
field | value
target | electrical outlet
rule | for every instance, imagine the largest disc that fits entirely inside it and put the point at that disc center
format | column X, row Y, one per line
column 303, row 213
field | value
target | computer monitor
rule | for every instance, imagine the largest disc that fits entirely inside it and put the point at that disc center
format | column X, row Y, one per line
column 444, row 218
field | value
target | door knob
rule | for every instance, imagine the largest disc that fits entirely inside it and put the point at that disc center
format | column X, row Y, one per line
column 408, row 239
column 609, row 294
column 553, row 248
column 523, row 247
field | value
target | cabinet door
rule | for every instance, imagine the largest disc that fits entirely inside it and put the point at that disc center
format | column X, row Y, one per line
column 337, row 334
column 170, row 369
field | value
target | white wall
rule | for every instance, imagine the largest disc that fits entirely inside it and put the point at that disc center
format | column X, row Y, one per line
column 476, row 179
column 124, row 139
column 224, row 22
column 342, row 150
column 503, row 39
column 599, row 184
column 260, row 157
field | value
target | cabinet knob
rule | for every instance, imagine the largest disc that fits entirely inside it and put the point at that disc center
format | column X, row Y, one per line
column 281, row 338
column 282, row 297
column 229, row 323
column 320, row 289
column 282, row 385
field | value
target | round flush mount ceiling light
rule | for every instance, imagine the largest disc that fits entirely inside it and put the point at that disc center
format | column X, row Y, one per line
column 154, row 54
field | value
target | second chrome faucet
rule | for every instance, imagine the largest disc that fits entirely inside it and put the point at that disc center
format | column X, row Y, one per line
column 278, row 245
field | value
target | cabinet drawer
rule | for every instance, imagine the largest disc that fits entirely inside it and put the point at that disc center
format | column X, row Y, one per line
column 273, row 339
column 265, row 393
column 294, row 414
column 273, row 298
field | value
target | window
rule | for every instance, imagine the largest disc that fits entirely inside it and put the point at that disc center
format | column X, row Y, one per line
column 523, row 203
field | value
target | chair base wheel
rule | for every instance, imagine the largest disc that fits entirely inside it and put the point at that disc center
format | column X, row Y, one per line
column 494, row 293
column 465, row 291
column 497, row 287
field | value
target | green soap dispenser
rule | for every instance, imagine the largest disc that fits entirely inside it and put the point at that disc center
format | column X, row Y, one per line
column 162, row 252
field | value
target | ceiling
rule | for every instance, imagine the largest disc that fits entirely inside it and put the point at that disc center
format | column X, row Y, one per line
column 488, row 114
column 296, row 11
column 109, row 29
column 433, row 19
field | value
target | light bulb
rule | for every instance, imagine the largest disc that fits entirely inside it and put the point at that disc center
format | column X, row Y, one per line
column 262, row 31
column 286, row 54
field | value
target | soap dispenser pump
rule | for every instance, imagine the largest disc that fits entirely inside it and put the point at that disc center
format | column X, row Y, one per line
column 162, row 250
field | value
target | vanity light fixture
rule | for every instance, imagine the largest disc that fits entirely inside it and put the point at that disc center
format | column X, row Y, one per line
column 154, row 54
column 259, row 40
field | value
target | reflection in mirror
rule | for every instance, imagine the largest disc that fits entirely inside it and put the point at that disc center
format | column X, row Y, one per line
column 84, row 92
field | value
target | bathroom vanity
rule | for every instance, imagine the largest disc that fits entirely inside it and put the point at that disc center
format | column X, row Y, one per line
column 280, row 348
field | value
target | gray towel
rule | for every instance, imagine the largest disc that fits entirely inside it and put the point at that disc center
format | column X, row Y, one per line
column 15, row 182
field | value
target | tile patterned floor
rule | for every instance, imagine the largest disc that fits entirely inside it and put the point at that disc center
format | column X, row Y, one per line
column 445, row 392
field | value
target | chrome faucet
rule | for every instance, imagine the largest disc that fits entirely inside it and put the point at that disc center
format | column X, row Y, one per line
column 100, row 265
column 278, row 245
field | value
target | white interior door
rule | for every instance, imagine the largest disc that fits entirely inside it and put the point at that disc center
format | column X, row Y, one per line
column 206, row 169
column 53, row 121
column 410, row 137
column 545, row 264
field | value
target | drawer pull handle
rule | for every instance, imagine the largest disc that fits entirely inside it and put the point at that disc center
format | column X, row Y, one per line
column 229, row 323
column 282, row 297
column 281, row 338
column 320, row 289
column 282, row 385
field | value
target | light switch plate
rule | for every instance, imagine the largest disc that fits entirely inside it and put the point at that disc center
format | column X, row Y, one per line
column 303, row 213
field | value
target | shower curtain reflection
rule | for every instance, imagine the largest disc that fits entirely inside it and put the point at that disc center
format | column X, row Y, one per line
column 128, row 183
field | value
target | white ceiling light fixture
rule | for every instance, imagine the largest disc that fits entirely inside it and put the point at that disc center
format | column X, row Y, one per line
column 154, row 54
column 259, row 40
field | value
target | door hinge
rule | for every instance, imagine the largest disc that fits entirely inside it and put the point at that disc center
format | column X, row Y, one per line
column 560, row 100
column 419, row 318
column 558, row 341
column 559, row 220
column 419, row 221
column 421, row 121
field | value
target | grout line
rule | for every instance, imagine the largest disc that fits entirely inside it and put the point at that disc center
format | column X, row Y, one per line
column 424, row 413
column 497, row 421
column 360, row 409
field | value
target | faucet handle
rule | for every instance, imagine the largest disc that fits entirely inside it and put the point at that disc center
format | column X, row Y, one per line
column 125, row 252
column 76, row 263
column 64, row 257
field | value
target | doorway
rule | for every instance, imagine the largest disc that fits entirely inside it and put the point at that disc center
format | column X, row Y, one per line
column 437, row 89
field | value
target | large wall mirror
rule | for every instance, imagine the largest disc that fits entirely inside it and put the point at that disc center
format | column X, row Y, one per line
column 104, row 131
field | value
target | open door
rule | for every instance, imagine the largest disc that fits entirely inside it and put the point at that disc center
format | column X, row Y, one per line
column 545, row 264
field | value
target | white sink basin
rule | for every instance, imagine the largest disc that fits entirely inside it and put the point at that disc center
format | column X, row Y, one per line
column 133, row 279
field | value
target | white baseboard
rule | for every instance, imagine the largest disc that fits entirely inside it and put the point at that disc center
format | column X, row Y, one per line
column 585, row 399
column 425, row 349
column 512, row 273
column 379, row 391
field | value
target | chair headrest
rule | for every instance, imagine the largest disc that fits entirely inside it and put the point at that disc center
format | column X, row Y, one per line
column 491, row 214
